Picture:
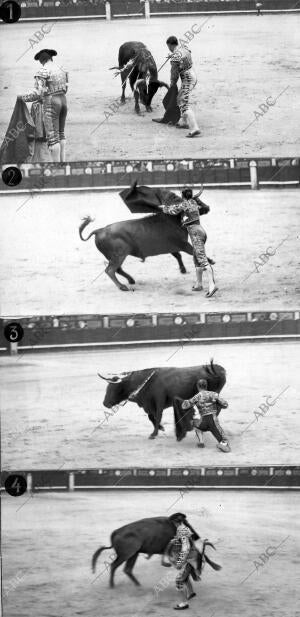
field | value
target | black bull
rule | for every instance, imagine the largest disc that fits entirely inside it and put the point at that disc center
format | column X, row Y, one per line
column 151, row 235
column 137, row 64
column 150, row 536
column 165, row 384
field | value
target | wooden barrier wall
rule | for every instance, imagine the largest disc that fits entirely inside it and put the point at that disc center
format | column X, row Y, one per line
column 116, row 9
column 183, row 478
column 213, row 173
column 54, row 332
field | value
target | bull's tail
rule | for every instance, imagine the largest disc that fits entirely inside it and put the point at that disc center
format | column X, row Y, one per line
column 217, row 374
column 211, row 367
column 213, row 564
column 86, row 221
column 96, row 555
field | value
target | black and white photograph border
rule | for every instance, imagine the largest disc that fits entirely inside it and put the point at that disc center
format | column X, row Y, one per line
column 93, row 364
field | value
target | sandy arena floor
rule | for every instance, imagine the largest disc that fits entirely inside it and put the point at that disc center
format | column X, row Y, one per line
column 48, row 544
column 240, row 61
column 53, row 416
column 47, row 269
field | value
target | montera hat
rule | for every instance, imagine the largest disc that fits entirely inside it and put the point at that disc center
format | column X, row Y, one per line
column 50, row 52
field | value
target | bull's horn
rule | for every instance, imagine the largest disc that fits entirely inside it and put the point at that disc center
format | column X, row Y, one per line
column 139, row 81
column 198, row 195
column 110, row 378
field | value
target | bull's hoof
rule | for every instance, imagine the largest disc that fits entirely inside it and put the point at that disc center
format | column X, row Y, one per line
column 161, row 427
column 183, row 271
column 152, row 436
column 123, row 101
column 149, row 109
column 124, row 287
column 131, row 281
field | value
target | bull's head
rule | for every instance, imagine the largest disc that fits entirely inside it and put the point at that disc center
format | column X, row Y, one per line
column 117, row 389
column 179, row 517
column 147, row 88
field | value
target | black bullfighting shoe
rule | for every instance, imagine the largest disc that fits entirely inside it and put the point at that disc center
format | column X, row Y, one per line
column 181, row 607
column 160, row 120
column 194, row 134
column 209, row 294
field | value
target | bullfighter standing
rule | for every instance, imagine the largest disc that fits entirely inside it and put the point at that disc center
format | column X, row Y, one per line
column 50, row 87
column 182, row 66
column 258, row 8
column 191, row 208
column 181, row 553
column 183, row 560
column 206, row 405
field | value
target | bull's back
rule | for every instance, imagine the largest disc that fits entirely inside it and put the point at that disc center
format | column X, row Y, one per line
column 151, row 534
column 168, row 382
column 182, row 382
column 140, row 524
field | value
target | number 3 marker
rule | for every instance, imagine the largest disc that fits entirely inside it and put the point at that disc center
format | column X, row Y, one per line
column 13, row 332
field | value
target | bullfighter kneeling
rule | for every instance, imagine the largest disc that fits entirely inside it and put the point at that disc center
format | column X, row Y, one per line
column 206, row 404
